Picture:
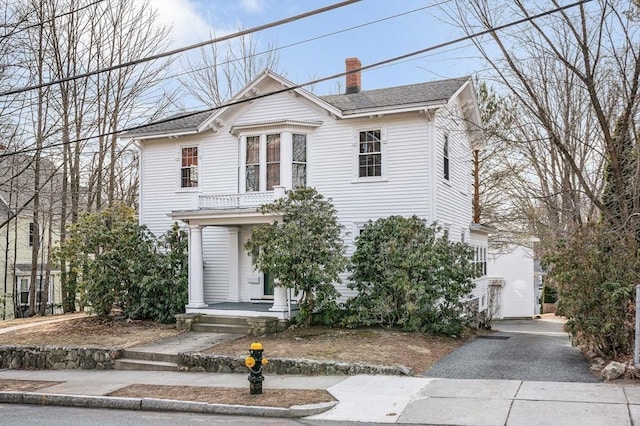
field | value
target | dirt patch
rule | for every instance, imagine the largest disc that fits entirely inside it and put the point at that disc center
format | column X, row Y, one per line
column 281, row 398
column 37, row 319
column 10, row 385
column 90, row 332
column 369, row 345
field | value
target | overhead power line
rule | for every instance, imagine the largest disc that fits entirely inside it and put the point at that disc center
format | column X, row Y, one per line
column 184, row 49
column 275, row 49
column 319, row 80
column 19, row 30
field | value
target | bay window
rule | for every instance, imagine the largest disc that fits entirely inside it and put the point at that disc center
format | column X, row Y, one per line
column 274, row 159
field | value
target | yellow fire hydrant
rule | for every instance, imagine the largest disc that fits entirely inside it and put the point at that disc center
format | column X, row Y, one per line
column 255, row 363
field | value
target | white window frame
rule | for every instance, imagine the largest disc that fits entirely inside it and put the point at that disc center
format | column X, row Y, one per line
column 286, row 157
column 383, row 153
column 179, row 161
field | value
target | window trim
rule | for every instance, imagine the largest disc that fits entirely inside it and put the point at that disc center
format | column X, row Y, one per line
column 383, row 153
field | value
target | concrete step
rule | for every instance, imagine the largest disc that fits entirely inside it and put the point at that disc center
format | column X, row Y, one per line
column 150, row 356
column 144, row 365
column 221, row 328
column 220, row 319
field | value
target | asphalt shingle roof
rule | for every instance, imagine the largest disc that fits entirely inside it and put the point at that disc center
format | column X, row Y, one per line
column 398, row 96
column 172, row 124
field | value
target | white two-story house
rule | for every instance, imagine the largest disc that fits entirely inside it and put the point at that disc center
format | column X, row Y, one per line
column 397, row 151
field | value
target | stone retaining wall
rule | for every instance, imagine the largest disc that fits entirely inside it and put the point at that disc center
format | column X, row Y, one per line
column 61, row 358
column 58, row 358
column 195, row 361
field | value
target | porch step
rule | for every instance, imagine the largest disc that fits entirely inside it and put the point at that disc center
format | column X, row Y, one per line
column 212, row 327
column 147, row 361
column 222, row 319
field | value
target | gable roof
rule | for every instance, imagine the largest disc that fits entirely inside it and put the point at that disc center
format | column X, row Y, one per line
column 393, row 97
column 344, row 105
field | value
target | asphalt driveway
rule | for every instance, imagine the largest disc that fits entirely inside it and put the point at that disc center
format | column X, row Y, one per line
column 532, row 350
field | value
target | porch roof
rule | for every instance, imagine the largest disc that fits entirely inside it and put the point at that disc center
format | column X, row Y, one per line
column 225, row 217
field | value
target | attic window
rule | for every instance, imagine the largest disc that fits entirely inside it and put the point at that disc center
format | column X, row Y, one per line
column 189, row 168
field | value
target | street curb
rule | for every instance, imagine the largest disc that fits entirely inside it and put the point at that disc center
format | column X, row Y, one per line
column 155, row 404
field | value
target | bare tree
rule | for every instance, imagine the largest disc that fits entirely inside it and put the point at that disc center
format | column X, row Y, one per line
column 574, row 79
column 220, row 71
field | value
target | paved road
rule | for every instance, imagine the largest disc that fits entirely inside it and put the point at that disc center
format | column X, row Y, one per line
column 533, row 350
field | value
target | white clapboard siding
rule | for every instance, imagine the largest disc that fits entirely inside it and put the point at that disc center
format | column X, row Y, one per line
column 409, row 186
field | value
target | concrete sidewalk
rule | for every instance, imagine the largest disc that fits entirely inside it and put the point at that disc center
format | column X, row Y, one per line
column 380, row 399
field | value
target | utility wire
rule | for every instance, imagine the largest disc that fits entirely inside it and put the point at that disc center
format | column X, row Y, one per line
column 275, row 49
column 46, row 21
column 184, row 49
column 331, row 77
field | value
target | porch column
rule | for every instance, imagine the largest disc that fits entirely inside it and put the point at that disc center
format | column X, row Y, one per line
column 234, row 265
column 279, row 299
column 196, row 281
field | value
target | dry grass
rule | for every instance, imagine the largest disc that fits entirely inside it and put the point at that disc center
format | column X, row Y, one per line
column 282, row 398
column 85, row 331
column 369, row 345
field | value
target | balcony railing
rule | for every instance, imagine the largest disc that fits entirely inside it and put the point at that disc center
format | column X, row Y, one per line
column 235, row 201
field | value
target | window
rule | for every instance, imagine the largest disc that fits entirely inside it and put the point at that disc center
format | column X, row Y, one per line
column 32, row 233
column 273, row 161
column 24, row 291
column 369, row 154
column 445, row 157
column 480, row 260
column 253, row 163
column 189, row 168
column 299, row 161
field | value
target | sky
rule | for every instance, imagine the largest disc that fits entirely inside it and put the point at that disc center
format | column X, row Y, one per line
column 422, row 25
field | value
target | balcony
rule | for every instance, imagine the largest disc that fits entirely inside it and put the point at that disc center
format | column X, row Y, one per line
column 229, row 209
column 235, row 201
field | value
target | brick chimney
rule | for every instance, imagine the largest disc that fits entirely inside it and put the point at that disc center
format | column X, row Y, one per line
column 353, row 78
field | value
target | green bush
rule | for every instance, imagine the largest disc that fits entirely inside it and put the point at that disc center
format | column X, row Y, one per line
column 409, row 274
column 595, row 272
column 304, row 252
column 118, row 263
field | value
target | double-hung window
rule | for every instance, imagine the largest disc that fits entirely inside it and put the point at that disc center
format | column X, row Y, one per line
column 273, row 161
column 299, row 161
column 369, row 154
column 252, row 171
column 189, row 167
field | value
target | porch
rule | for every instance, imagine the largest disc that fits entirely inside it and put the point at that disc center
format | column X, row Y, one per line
column 236, row 283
